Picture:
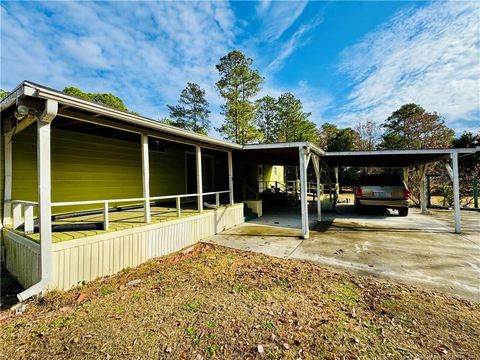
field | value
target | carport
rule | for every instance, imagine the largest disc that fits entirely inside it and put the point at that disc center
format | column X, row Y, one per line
column 407, row 159
column 301, row 153
column 289, row 154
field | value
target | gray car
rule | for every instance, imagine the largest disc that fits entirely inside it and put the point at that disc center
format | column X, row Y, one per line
column 382, row 190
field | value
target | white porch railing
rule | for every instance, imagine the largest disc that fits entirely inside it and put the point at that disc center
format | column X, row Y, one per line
column 24, row 209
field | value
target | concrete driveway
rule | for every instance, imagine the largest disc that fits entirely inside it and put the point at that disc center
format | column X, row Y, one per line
column 418, row 249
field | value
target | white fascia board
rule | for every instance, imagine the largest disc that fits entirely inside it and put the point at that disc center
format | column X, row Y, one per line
column 75, row 102
column 297, row 144
column 405, row 152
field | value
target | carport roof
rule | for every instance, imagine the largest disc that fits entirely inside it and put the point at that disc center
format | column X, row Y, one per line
column 391, row 158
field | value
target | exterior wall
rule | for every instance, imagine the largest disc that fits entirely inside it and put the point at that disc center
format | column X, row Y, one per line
column 91, row 167
column 83, row 260
column 272, row 173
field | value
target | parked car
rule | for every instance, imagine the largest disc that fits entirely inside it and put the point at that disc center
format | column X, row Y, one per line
column 382, row 190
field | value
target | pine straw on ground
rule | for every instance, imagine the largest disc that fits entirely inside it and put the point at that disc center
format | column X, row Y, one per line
column 221, row 303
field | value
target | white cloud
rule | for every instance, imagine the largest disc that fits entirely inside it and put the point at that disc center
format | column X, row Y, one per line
column 144, row 54
column 429, row 56
column 276, row 17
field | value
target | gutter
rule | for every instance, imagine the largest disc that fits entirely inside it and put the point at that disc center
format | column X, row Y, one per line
column 48, row 114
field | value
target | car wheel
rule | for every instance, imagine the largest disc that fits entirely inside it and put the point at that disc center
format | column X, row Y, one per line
column 403, row 211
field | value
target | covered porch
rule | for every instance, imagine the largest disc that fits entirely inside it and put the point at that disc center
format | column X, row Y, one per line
column 99, row 185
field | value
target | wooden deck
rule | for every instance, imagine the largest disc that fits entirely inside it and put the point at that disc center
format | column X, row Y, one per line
column 119, row 220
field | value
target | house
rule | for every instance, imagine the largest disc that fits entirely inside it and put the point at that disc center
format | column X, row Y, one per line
column 88, row 190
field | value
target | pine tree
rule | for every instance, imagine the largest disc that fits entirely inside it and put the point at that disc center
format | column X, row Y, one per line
column 238, row 84
column 294, row 123
column 192, row 111
column 268, row 119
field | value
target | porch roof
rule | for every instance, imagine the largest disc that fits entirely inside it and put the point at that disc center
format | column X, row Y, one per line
column 72, row 107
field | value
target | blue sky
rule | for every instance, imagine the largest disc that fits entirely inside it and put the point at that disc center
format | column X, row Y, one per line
column 347, row 61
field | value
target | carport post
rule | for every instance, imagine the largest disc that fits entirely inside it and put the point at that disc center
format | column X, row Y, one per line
column 316, row 167
column 337, row 185
column 423, row 197
column 198, row 151
column 303, row 190
column 456, row 192
column 405, row 176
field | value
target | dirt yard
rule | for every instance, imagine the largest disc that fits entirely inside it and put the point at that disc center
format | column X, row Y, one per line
column 213, row 302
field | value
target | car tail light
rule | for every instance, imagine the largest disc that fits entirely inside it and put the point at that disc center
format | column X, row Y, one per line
column 358, row 193
column 406, row 194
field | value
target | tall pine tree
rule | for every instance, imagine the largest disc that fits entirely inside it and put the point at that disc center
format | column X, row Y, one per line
column 268, row 119
column 238, row 84
column 192, row 111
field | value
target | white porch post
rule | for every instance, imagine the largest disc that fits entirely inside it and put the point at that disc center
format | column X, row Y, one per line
column 199, row 178
column 316, row 166
column 456, row 193
column 146, row 178
column 303, row 192
column 44, row 195
column 405, row 175
column 7, row 194
column 230, row 176
column 44, row 199
column 423, row 197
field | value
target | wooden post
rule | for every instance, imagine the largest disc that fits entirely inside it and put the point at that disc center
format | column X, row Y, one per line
column 106, row 221
column 28, row 219
column 44, row 195
column 146, row 178
column 456, row 193
column 7, row 194
column 17, row 215
column 230, row 176
column 199, row 179
column 303, row 192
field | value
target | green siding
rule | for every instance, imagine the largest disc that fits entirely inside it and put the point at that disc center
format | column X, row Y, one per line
column 91, row 167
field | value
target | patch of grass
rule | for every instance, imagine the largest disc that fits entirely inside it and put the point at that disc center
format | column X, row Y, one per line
column 211, row 323
column 237, row 289
column 267, row 325
column 193, row 334
column 212, row 350
column 191, row 306
column 106, row 290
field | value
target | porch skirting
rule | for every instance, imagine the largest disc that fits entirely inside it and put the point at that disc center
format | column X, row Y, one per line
column 81, row 260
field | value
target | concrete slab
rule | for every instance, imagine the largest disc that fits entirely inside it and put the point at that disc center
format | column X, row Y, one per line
column 418, row 249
